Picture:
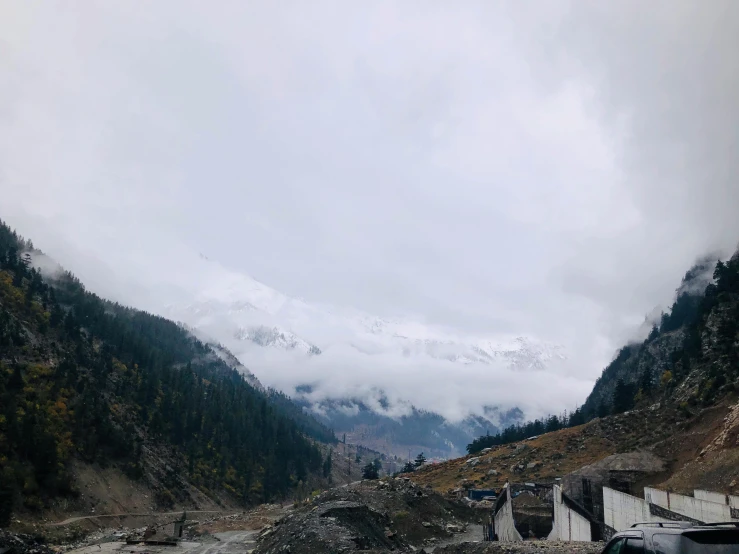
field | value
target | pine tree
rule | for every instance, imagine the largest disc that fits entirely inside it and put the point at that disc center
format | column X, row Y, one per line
column 623, row 397
column 370, row 471
column 327, row 464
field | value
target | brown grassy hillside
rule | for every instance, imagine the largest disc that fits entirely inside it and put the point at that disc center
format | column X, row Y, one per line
column 674, row 434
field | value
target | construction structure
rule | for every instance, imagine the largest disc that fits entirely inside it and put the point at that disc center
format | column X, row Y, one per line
column 504, row 526
column 622, row 510
column 572, row 521
column 522, row 510
column 627, row 472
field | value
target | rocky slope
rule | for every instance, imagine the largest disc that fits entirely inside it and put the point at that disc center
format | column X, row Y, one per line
column 375, row 516
column 682, row 335
column 698, row 447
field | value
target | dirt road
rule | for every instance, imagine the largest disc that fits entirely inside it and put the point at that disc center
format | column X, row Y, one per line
column 149, row 514
column 472, row 534
column 230, row 542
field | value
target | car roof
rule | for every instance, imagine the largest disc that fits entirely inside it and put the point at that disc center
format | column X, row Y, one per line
column 675, row 527
column 663, row 525
column 718, row 525
column 651, row 527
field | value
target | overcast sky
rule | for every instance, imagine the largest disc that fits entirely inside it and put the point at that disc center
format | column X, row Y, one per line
column 539, row 168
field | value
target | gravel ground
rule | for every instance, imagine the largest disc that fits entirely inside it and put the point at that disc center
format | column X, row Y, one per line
column 19, row 543
column 526, row 547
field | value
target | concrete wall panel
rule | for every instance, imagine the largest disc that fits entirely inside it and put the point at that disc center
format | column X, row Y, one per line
column 568, row 525
column 702, row 510
column 621, row 510
column 710, row 496
column 504, row 524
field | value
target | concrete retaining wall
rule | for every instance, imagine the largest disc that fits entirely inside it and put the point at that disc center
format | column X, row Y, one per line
column 505, row 527
column 568, row 524
column 696, row 508
column 717, row 497
column 708, row 496
column 621, row 510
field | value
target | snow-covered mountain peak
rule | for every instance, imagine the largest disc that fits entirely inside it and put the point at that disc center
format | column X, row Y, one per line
column 235, row 307
column 274, row 337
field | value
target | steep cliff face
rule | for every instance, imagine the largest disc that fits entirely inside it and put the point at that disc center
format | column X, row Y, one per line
column 690, row 355
column 639, row 366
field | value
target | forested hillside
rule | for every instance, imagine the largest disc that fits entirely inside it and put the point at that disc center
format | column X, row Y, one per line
column 83, row 378
column 690, row 358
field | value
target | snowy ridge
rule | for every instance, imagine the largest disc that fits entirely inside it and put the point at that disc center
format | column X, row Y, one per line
column 234, row 306
column 274, row 337
column 272, row 320
column 393, row 377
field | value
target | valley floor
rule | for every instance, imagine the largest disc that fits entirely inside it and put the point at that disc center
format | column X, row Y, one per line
column 414, row 513
column 229, row 542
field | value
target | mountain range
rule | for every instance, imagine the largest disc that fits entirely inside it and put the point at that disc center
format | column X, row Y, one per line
column 248, row 311
column 265, row 328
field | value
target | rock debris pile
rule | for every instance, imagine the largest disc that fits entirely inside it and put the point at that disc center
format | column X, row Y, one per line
column 372, row 516
column 17, row 543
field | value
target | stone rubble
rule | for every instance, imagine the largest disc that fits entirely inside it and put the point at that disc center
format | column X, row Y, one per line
column 18, row 543
column 373, row 516
column 526, row 547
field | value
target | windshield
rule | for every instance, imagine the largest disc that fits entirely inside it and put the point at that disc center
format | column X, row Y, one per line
column 701, row 542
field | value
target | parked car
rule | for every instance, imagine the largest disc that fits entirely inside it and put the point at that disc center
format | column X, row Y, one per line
column 676, row 537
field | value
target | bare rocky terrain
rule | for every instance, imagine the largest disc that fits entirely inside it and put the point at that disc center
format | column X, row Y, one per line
column 699, row 448
column 20, row 543
column 391, row 515
column 372, row 516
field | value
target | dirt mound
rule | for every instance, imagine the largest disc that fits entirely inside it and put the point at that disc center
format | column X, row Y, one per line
column 378, row 516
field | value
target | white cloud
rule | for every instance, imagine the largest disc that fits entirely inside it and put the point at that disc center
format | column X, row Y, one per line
column 490, row 168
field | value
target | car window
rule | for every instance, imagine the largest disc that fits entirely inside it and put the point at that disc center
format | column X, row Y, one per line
column 713, row 542
column 719, row 541
column 614, row 547
column 666, row 544
column 633, row 546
